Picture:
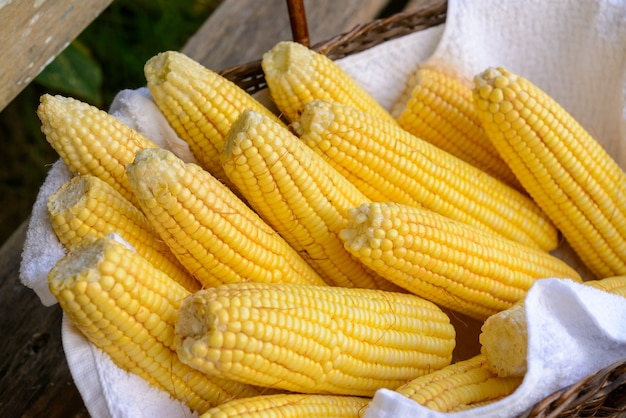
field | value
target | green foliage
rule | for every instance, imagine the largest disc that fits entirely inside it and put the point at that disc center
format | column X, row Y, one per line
column 107, row 57
column 74, row 73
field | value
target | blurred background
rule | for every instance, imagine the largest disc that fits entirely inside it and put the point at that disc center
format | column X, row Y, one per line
column 107, row 57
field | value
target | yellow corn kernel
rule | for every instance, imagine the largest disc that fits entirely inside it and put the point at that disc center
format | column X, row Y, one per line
column 440, row 110
column 87, row 207
column 198, row 103
column 128, row 308
column 563, row 168
column 460, row 386
column 299, row 194
column 614, row 284
column 210, row 230
column 458, row 266
column 297, row 75
column 290, row 405
column 389, row 164
column 504, row 337
column 313, row 339
column 91, row 141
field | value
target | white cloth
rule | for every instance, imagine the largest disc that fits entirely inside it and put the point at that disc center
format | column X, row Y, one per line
column 573, row 49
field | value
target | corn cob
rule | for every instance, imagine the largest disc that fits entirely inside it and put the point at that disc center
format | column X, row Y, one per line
column 460, row 386
column 128, row 308
column 458, row 266
column 504, row 337
column 300, row 195
column 297, row 75
column 199, row 104
column 86, row 206
column 440, row 110
column 388, row 164
column 211, row 231
column 290, row 405
column 91, row 141
column 563, row 168
column 313, row 339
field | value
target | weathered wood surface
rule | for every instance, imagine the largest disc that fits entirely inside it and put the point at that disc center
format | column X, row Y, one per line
column 33, row 32
column 240, row 31
column 34, row 376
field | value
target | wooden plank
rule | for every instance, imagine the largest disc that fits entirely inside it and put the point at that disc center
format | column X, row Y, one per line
column 240, row 31
column 33, row 32
column 35, row 379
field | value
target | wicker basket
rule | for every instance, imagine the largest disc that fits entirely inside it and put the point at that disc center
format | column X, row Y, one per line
column 602, row 394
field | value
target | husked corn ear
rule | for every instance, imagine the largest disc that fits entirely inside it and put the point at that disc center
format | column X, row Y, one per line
column 458, row 266
column 210, row 230
column 87, row 207
column 299, row 194
column 460, row 386
column 565, row 170
column 90, row 140
column 389, row 164
column 128, row 308
column 199, row 104
column 313, row 339
column 440, row 110
column 504, row 336
column 297, row 75
column 290, row 405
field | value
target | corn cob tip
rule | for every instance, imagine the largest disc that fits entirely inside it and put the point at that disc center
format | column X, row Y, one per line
column 316, row 116
column 158, row 171
column 195, row 322
column 68, row 195
column 157, row 68
column 490, row 74
column 488, row 84
column 86, row 256
column 57, row 101
column 286, row 54
column 55, row 107
column 45, row 98
column 504, row 343
column 48, row 98
column 235, row 134
column 361, row 229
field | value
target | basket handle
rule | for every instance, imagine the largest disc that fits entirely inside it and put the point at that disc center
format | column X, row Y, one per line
column 297, row 19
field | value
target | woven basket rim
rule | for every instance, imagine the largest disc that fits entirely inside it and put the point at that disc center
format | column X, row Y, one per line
column 249, row 76
column 601, row 394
